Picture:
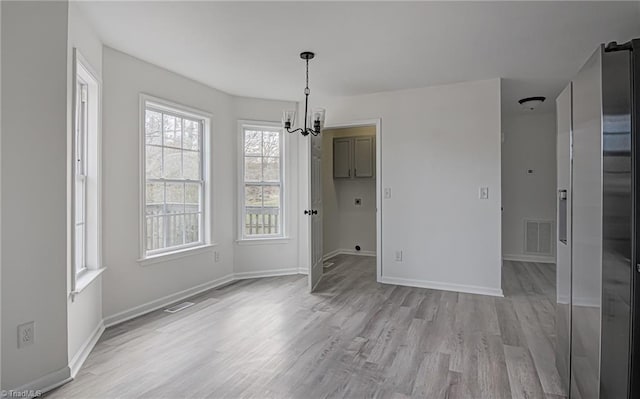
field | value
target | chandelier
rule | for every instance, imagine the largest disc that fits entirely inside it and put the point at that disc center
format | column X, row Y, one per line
column 315, row 118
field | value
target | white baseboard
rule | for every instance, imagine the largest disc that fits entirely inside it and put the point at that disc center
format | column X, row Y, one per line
column 587, row 302
column 331, row 254
column 343, row 251
column 143, row 309
column 156, row 304
column 564, row 299
column 303, row 271
column 79, row 358
column 268, row 273
column 529, row 258
column 66, row 374
column 40, row 386
column 436, row 285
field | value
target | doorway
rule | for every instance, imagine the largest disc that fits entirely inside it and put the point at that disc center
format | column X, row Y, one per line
column 350, row 199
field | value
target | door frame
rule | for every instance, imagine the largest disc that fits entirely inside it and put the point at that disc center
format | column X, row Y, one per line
column 377, row 122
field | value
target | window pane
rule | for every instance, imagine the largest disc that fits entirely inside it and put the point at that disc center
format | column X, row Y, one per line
column 80, row 260
column 174, row 152
column 191, row 161
column 79, row 198
column 271, row 221
column 172, row 163
column 253, row 169
column 271, row 144
column 172, row 131
column 271, row 169
column 153, row 160
column 252, row 142
column 271, row 196
column 155, row 232
column 191, row 135
column 191, row 228
column 175, row 230
column 192, row 197
column 253, row 196
column 175, row 198
column 155, row 198
column 153, row 127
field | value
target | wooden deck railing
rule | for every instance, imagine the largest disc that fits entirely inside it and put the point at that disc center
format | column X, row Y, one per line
column 261, row 221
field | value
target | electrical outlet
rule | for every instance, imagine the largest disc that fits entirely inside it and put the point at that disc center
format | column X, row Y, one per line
column 216, row 256
column 398, row 256
column 26, row 334
column 387, row 193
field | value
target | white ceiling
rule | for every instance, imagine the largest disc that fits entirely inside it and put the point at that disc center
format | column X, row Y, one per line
column 251, row 49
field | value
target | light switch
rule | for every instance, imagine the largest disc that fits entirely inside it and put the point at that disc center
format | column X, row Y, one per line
column 387, row 193
column 484, row 192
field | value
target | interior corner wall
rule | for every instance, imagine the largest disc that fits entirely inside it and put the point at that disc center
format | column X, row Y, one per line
column 439, row 146
column 84, row 317
column 34, row 197
column 344, row 224
column 529, row 144
column 130, row 288
column 264, row 258
column 127, row 284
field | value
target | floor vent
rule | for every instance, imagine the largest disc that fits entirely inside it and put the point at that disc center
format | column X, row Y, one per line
column 538, row 237
column 179, row 307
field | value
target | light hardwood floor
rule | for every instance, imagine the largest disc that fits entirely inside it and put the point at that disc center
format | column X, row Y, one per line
column 353, row 338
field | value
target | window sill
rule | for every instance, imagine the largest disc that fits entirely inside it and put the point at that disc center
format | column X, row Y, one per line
column 85, row 279
column 264, row 241
column 181, row 253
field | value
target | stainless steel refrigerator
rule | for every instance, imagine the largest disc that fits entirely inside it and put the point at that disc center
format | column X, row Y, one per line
column 598, row 248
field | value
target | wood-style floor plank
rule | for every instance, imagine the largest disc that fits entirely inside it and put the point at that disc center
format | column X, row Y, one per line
column 353, row 338
column 523, row 376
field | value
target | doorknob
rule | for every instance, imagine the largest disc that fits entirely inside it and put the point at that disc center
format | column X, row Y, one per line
column 314, row 212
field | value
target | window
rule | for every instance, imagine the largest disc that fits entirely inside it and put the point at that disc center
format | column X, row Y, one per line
column 175, row 170
column 261, row 181
column 80, row 172
column 85, row 175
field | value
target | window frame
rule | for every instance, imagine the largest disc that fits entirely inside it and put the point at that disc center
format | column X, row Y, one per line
column 84, row 75
column 241, row 207
column 206, row 222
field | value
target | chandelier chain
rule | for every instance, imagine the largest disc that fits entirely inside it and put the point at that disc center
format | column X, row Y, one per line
column 307, row 76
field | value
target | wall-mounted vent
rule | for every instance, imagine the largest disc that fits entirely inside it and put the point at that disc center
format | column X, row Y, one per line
column 538, row 237
column 179, row 307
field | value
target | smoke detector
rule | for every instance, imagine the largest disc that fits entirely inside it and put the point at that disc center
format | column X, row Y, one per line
column 531, row 103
